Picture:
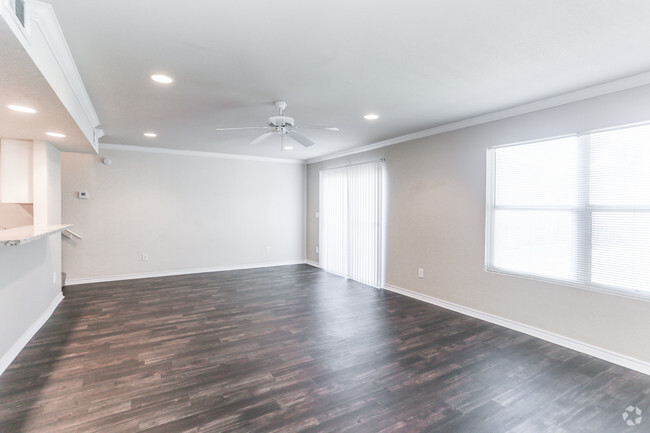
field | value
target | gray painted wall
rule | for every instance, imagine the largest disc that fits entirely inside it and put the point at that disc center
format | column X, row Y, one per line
column 436, row 221
column 186, row 212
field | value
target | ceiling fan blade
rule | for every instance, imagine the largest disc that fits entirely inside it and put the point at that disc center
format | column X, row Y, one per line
column 243, row 127
column 329, row 128
column 301, row 139
column 262, row 137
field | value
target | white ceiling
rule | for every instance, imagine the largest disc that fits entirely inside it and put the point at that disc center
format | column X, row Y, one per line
column 416, row 63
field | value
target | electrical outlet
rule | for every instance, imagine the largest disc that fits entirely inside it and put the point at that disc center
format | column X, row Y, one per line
column 420, row 273
column 145, row 257
column 316, row 249
column 53, row 278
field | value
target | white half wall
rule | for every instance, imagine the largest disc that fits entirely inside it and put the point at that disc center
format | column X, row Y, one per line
column 187, row 212
column 30, row 274
column 436, row 221
column 28, row 294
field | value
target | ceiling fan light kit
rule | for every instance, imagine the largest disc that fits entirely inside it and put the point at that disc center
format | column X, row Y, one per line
column 283, row 125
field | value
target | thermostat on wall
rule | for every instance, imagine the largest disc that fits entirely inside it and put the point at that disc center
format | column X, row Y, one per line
column 83, row 195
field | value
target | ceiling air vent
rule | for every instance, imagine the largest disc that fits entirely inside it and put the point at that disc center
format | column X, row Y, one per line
column 19, row 10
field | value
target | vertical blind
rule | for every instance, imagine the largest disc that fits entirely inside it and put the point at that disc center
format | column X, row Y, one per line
column 573, row 209
column 351, row 226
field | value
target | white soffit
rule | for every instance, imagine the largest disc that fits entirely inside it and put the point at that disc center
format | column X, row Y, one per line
column 38, row 72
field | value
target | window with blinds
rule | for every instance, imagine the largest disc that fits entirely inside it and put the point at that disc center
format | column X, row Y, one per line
column 574, row 209
column 351, row 225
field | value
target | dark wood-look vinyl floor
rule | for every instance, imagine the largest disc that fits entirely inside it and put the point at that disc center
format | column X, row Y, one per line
column 291, row 349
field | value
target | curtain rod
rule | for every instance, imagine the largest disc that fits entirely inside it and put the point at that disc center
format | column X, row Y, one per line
column 356, row 163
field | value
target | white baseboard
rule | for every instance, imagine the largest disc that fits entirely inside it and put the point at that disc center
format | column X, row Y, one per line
column 597, row 352
column 312, row 263
column 104, row 279
column 19, row 345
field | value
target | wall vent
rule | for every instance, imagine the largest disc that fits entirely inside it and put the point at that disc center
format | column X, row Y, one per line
column 19, row 10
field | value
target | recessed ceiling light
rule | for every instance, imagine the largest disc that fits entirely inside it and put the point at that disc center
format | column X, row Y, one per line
column 287, row 148
column 150, row 134
column 371, row 117
column 55, row 134
column 22, row 109
column 162, row 79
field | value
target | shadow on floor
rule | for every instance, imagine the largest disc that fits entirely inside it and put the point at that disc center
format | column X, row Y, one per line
column 28, row 377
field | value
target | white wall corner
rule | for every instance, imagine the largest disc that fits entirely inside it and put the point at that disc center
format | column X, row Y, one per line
column 579, row 346
column 99, row 133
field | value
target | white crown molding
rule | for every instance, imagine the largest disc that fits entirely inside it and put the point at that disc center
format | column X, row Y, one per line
column 597, row 352
column 147, row 149
column 122, row 277
column 555, row 101
column 19, row 345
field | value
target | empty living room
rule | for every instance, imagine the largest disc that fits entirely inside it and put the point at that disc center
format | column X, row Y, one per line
column 332, row 216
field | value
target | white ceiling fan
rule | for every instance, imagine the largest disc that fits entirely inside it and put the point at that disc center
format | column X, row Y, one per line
column 283, row 125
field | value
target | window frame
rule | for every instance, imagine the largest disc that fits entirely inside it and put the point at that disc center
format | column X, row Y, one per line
column 584, row 218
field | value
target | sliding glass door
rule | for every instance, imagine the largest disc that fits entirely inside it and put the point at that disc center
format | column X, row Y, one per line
column 351, row 222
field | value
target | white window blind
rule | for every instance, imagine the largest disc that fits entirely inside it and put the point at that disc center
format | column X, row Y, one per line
column 573, row 209
column 351, row 225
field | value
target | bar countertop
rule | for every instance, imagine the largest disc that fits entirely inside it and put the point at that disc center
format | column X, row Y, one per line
column 26, row 234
